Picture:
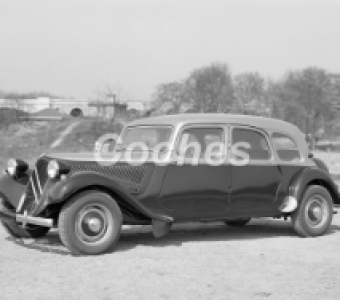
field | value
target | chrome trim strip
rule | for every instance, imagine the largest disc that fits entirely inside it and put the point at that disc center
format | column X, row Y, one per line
column 37, row 177
column 34, row 191
column 22, row 199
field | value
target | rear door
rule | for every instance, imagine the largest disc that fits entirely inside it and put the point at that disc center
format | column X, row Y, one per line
column 254, row 181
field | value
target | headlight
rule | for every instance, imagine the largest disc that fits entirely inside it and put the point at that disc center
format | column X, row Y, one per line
column 16, row 167
column 55, row 169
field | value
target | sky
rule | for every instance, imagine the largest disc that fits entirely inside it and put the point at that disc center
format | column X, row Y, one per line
column 74, row 47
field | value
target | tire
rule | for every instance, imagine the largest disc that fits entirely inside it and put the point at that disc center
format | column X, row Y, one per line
column 90, row 223
column 237, row 222
column 315, row 212
column 15, row 230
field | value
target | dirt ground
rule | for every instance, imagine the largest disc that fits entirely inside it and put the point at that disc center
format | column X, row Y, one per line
column 264, row 259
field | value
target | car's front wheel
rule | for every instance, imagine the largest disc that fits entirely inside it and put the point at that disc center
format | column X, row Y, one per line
column 315, row 212
column 90, row 223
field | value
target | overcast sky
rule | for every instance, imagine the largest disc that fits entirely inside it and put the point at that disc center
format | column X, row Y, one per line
column 71, row 47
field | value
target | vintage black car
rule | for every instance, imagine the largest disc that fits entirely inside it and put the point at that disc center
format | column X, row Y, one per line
column 209, row 167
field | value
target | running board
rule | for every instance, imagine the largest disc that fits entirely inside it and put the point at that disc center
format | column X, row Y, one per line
column 160, row 228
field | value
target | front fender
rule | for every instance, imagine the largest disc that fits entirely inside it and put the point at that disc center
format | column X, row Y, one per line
column 312, row 174
column 11, row 189
column 63, row 190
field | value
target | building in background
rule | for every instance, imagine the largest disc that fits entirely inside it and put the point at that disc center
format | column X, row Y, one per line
column 75, row 107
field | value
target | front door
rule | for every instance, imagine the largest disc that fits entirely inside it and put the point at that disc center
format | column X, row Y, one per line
column 194, row 186
column 255, row 181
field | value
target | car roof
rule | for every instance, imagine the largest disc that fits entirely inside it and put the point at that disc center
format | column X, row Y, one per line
column 218, row 118
column 269, row 124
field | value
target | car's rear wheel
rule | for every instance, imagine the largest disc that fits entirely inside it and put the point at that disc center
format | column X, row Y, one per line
column 315, row 212
column 90, row 223
column 17, row 231
column 237, row 222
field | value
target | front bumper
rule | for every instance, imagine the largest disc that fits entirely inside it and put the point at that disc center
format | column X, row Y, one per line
column 10, row 216
column 12, row 209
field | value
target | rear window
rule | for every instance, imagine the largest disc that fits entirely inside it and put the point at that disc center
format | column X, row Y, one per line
column 285, row 147
column 258, row 146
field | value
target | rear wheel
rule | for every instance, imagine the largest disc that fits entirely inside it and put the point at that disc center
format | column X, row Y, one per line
column 237, row 222
column 315, row 212
column 90, row 223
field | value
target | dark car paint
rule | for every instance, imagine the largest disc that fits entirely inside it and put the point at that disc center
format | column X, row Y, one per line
column 12, row 189
column 171, row 195
column 312, row 174
column 63, row 190
column 178, row 193
column 254, row 186
column 196, row 191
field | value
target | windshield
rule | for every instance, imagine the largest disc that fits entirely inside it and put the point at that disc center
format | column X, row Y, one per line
column 150, row 136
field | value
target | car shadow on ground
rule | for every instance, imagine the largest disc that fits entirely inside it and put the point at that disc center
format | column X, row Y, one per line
column 135, row 236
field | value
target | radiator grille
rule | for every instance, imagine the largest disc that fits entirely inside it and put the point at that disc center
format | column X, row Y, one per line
column 122, row 172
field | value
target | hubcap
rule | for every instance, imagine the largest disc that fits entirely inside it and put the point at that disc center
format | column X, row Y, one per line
column 316, row 211
column 93, row 223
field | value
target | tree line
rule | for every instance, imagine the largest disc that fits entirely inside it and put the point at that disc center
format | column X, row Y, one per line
column 308, row 98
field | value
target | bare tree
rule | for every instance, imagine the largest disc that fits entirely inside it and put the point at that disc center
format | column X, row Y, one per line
column 210, row 89
column 170, row 97
column 310, row 93
column 251, row 95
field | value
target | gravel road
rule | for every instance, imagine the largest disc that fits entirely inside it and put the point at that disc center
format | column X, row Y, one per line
column 264, row 259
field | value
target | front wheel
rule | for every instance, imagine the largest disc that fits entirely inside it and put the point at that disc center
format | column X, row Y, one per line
column 90, row 223
column 315, row 212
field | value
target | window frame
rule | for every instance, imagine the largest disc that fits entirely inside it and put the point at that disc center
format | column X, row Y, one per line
column 272, row 158
column 171, row 137
column 271, row 132
column 225, row 131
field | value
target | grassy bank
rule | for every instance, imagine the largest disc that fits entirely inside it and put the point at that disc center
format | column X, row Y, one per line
column 28, row 140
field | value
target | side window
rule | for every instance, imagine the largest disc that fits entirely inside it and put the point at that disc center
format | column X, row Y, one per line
column 194, row 142
column 256, row 144
column 285, row 147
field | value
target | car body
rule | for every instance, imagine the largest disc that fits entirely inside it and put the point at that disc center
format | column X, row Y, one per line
column 262, row 169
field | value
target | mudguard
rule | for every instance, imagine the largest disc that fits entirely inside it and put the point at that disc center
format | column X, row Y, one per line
column 306, row 176
column 64, row 189
column 11, row 189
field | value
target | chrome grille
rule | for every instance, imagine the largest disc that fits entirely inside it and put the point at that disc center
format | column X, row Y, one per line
column 131, row 175
column 125, row 173
column 33, row 192
column 41, row 168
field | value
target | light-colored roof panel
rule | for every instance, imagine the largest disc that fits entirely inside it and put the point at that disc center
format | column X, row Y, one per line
column 270, row 124
column 216, row 118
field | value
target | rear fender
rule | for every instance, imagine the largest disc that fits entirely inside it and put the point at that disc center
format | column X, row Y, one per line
column 312, row 175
